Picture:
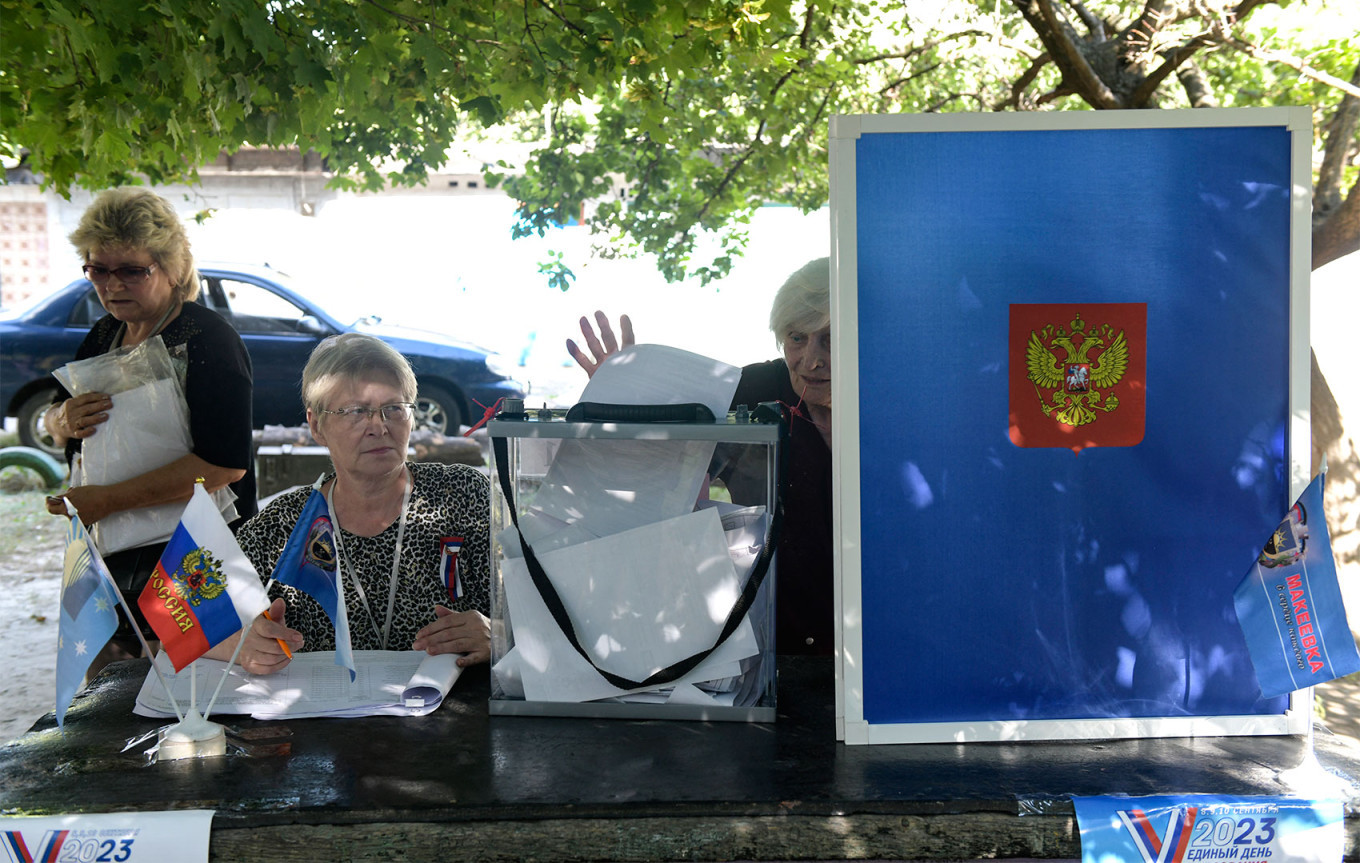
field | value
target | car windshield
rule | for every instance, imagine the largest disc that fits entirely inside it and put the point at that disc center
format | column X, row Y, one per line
column 344, row 301
column 23, row 306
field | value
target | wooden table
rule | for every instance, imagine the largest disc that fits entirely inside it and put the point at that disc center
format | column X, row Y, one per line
column 462, row 785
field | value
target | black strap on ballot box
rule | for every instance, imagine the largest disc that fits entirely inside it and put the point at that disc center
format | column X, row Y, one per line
column 596, row 412
column 551, row 599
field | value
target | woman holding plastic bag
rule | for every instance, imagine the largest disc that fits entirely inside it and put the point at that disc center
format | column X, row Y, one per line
column 159, row 395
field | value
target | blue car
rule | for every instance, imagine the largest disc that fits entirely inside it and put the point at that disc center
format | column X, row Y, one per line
column 279, row 327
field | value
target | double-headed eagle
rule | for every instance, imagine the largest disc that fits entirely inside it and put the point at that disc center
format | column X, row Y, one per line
column 199, row 577
column 1071, row 390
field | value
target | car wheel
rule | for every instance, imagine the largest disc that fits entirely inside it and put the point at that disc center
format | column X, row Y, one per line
column 436, row 410
column 32, row 432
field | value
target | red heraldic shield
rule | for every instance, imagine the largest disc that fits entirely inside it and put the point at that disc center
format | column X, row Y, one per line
column 1078, row 374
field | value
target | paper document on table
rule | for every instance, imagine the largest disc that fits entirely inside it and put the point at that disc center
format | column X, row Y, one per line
column 387, row 683
column 640, row 601
column 662, row 375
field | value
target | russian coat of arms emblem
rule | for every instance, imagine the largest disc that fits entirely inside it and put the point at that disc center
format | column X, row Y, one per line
column 1077, row 374
column 1074, row 386
column 199, row 576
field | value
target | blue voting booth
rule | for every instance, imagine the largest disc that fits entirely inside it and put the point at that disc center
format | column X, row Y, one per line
column 1072, row 378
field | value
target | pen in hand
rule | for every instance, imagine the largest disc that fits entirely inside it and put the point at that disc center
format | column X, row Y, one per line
column 286, row 652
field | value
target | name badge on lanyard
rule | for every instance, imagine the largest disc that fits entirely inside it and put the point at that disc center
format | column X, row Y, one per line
column 448, row 566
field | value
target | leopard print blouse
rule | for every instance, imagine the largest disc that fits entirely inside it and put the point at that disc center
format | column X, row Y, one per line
column 446, row 501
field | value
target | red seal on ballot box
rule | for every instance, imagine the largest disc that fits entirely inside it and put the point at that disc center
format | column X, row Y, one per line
column 1078, row 374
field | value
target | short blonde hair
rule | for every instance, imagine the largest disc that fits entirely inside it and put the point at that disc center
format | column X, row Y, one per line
column 351, row 356
column 136, row 218
column 803, row 303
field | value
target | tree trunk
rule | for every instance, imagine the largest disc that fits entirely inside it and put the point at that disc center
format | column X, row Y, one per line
column 1341, row 498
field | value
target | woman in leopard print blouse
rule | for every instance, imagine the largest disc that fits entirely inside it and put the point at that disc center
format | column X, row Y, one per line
column 394, row 521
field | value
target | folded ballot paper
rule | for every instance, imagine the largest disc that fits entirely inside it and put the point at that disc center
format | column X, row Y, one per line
column 387, row 683
column 647, row 577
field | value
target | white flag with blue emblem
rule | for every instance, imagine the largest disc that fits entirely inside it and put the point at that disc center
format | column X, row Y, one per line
column 88, row 614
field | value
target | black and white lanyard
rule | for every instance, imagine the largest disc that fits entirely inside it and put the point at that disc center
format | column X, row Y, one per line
column 348, row 567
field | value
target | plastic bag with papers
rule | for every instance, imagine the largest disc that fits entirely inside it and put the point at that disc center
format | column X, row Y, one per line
column 147, row 428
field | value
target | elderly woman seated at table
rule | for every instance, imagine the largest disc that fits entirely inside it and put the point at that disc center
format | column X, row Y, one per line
column 396, row 524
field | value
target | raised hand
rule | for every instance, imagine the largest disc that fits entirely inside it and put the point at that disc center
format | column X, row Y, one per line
column 604, row 345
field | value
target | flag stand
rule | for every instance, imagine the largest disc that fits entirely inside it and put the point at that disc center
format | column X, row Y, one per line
column 190, row 620
column 226, row 672
column 193, row 736
column 72, row 512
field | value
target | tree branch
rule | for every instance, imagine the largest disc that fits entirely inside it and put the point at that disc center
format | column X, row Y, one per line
column 1340, row 132
column 1217, row 32
column 726, row 181
column 566, row 22
column 1196, row 87
column 898, row 82
column 1173, row 60
column 1093, row 24
column 804, row 39
column 1055, row 94
column 952, row 97
column 1246, row 7
column 1056, row 36
column 1340, row 234
column 908, row 53
column 1022, row 83
column 1293, row 63
column 75, row 61
column 1139, row 34
column 409, row 19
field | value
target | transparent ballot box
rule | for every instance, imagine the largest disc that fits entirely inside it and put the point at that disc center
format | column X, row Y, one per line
column 633, row 572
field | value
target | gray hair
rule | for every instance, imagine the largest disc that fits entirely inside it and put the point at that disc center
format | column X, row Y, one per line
column 803, row 303
column 350, row 356
column 135, row 218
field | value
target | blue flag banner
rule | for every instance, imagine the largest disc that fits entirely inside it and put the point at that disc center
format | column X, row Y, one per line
column 309, row 563
column 88, row 614
column 1182, row 828
column 1290, row 607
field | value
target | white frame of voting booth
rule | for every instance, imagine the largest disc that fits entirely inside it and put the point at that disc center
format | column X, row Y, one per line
column 518, row 433
column 855, row 504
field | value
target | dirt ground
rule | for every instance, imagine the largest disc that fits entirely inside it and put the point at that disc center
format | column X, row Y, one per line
column 30, row 586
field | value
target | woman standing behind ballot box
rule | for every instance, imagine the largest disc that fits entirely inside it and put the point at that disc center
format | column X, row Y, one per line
column 398, row 527
column 800, row 318
column 136, row 254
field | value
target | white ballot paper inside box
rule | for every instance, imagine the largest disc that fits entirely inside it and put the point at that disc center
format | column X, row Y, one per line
column 608, row 486
column 387, row 683
column 640, row 601
column 611, row 486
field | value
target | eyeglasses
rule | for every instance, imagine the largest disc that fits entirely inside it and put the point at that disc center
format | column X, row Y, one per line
column 358, row 415
column 130, row 276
